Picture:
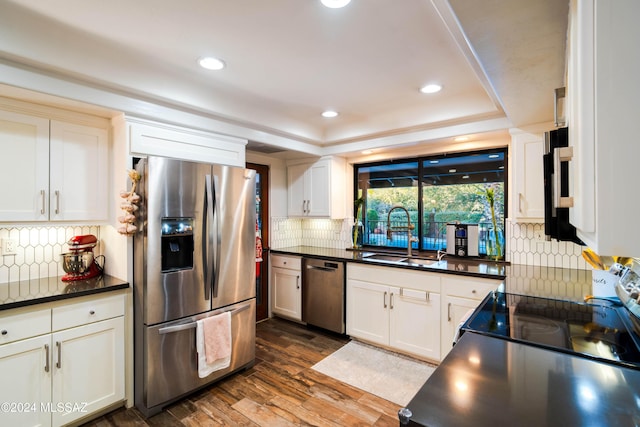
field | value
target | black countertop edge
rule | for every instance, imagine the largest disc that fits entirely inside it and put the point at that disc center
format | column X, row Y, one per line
column 452, row 265
column 68, row 290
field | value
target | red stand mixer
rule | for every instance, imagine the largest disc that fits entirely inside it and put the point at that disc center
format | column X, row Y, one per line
column 79, row 263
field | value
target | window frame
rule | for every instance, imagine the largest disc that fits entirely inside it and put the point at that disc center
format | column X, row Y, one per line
column 421, row 161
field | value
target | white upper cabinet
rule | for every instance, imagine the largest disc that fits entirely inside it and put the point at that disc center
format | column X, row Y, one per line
column 79, row 170
column 527, row 197
column 52, row 170
column 24, row 175
column 317, row 189
column 602, row 111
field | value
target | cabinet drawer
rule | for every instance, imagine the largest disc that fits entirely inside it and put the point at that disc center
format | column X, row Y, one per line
column 469, row 288
column 293, row 263
column 14, row 327
column 81, row 313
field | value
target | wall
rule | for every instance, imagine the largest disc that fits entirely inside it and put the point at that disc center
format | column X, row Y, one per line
column 38, row 251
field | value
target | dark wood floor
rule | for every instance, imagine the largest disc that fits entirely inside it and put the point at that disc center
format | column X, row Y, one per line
column 281, row 389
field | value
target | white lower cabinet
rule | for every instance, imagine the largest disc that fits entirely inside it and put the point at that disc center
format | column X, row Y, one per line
column 74, row 369
column 25, row 369
column 459, row 295
column 286, row 287
column 413, row 312
column 382, row 310
column 88, row 369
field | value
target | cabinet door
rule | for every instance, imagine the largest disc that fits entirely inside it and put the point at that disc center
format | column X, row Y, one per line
column 368, row 311
column 24, row 144
column 415, row 322
column 25, row 370
column 296, row 191
column 528, row 200
column 79, row 172
column 454, row 310
column 287, row 294
column 319, row 195
column 88, row 369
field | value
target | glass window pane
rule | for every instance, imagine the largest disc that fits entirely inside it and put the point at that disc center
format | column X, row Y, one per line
column 439, row 189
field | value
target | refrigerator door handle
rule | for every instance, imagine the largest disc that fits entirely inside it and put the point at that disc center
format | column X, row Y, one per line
column 192, row 325
column 207, row 255
column 216, row 236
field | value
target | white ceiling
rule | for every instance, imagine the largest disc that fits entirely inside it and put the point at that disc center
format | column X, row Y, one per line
column 288, row 60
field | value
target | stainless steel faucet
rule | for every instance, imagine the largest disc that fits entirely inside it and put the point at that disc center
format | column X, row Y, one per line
column 408, row 228
column 441, row 254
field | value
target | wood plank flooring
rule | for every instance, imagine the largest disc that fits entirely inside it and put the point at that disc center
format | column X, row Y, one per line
column 281, row 389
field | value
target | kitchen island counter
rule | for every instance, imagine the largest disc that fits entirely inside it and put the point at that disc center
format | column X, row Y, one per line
column 487, row 382
column 49, row 289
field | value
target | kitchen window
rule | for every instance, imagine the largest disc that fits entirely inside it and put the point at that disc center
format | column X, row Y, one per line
column 435, row 190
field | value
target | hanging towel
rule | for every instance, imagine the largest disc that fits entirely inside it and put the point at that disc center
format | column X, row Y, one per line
column 213, row 343
column 456, row 335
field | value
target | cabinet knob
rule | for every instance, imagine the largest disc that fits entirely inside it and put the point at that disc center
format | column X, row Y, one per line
column 92, row 312
column 473, row 291
column 4, row 332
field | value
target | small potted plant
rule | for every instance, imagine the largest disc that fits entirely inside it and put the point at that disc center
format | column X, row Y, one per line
column 357, row 229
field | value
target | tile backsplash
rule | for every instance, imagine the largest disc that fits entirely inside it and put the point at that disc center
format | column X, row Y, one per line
column 522, row 246
column 38, row 251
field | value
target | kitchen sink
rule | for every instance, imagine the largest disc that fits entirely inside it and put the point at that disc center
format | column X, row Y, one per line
column 386, row 257
column 418, row 262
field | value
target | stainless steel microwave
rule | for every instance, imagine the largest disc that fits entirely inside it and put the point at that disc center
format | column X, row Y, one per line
column 557, row 201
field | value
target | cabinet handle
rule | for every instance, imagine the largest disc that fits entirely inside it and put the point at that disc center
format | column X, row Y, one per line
column 46, row 355
column 473, row 291
column 297, row 282
column 59, row 347
column 4, row 332
column 308, row 206
column 520, row 202
column 391, row 301
column 92, row 312
column 57, row 193
column 384, row 299
column 449, row 312
column 562, row 154
column 42, row 201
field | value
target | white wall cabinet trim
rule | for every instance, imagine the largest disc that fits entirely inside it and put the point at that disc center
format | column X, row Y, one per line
column 156, row 139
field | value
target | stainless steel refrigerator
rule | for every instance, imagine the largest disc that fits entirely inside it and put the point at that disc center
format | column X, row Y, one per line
column 194, row 257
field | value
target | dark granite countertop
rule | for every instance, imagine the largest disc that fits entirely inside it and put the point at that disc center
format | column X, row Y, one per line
column 549, row 282
column 450, row 265
column 487, row 381
column 48, row 289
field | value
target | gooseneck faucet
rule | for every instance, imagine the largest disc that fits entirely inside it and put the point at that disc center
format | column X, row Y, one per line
column 408, row 228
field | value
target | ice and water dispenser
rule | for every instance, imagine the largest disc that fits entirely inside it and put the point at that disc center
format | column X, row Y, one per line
column 177, row 244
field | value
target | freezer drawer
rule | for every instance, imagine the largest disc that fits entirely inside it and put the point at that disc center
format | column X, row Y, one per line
column 170, row 360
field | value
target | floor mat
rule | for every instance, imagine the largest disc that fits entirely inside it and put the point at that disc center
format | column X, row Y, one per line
column 388, row 375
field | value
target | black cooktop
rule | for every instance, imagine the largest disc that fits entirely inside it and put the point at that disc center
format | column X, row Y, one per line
column 601, row 332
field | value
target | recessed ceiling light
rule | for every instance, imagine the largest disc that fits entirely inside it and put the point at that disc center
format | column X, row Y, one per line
column 494, row 156
column 211, row 63
column 461, row 139
column 465, row 176
column 452, row 171
column 329, row 114
column 433, row 162
column 335, row 4
column 431, row 88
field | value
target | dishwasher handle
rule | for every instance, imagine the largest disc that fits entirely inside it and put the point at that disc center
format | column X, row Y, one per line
column 317, row 267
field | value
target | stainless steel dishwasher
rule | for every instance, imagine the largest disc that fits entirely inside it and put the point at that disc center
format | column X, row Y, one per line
column 323, row 294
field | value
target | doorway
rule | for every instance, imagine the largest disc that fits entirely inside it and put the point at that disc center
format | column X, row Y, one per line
column 262, row 240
